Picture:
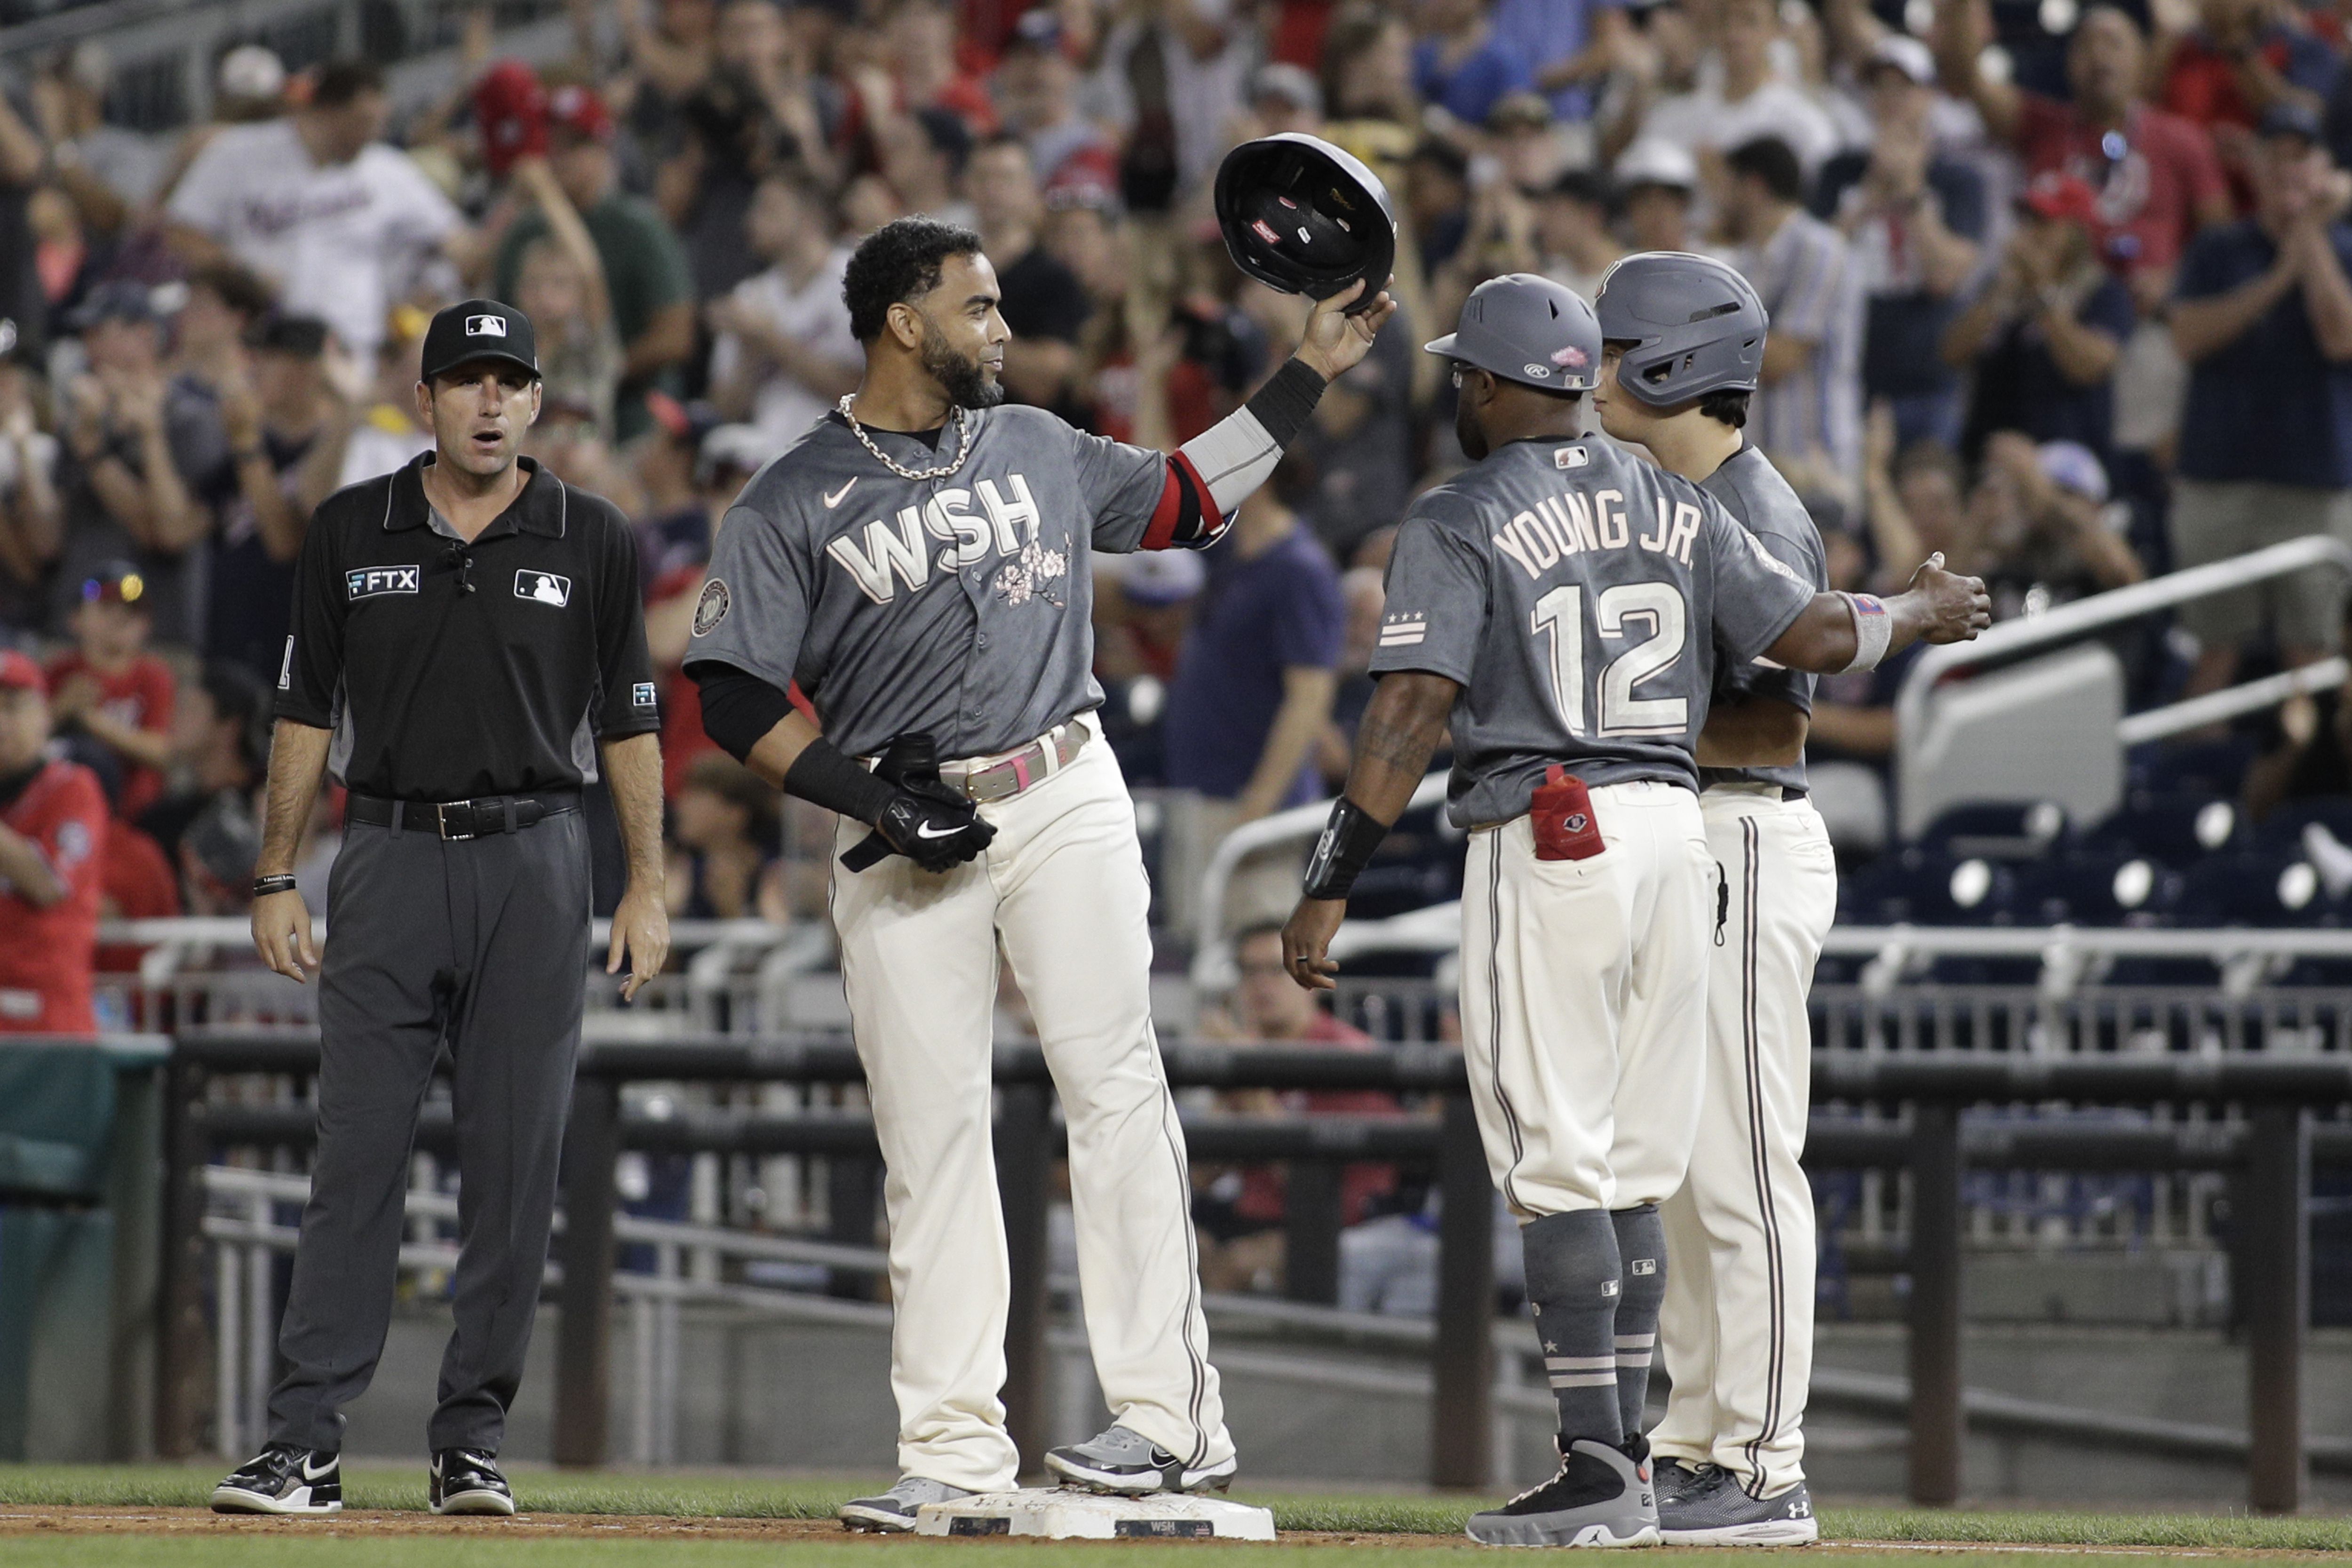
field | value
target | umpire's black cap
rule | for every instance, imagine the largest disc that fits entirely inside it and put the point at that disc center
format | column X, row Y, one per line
column 475, row 330
column 1301, row 215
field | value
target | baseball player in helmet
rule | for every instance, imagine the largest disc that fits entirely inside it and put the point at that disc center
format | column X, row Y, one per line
column 918, row 562
column 1561, row 604
column 1683, row 341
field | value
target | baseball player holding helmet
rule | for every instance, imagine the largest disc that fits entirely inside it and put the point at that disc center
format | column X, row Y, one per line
column 918, row 562
column 1559, row 603
column 1683, row 345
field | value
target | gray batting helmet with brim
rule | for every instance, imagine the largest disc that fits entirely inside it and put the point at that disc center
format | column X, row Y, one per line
column 1689, row 325
column 1530, row 330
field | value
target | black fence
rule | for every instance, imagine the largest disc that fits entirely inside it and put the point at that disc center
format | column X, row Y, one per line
column 2269, row 1160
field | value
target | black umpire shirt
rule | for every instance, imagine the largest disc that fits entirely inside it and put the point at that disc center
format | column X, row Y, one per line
column 436, row 693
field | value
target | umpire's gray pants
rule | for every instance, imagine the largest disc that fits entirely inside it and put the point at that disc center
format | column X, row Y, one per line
column 482, row 942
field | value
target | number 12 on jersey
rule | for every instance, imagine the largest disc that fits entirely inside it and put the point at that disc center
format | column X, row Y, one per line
column 1627, row 609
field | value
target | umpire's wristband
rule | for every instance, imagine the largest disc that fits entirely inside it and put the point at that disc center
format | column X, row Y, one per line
column 1341, row 854
column 822, row 776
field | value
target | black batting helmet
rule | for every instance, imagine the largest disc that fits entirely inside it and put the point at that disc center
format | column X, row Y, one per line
column 1301, row 215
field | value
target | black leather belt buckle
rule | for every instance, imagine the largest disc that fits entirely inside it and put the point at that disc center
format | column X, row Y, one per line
column 462, row 827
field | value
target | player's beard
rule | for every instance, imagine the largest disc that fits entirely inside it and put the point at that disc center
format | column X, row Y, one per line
column 1467, row 430
column 965, row 383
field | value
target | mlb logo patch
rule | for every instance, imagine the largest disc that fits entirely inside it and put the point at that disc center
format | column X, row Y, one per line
column 642, row 694
column 544, row 588
column 1570, row 458
column 368, row 582
column 485, row 326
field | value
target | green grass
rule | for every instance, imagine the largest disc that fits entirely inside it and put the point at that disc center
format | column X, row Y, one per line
column 350, row 1544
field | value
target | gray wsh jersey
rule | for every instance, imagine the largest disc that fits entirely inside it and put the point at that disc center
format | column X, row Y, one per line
column 1576, row 594
column 1752, row 491
column 959, row 606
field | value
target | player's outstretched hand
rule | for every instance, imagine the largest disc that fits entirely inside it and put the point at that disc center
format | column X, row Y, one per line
column 1956, row 608
column 1335, row 343
column 937, row 834
column 1306, row 940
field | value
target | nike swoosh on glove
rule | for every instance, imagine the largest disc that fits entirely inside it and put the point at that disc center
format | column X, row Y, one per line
column 933, row 827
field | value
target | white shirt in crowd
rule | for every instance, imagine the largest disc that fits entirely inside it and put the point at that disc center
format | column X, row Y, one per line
column 815, row 316
column 1704, row 119
column 1806, row 276
column 340, row 241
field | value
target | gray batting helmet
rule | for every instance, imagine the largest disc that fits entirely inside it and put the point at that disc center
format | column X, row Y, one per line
column 1530, row 330
column 1690, row 325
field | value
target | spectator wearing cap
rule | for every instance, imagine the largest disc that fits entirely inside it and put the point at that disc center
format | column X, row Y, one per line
column 2042, row 336
column 2246, row 58
column 674, row 520
column 647, row 283
column 1254, row 684
column 784, row 353
column 1043, row 301
column 317, row 203
column 1657, row 184
column 2154, row 174
column 1283, row 98
column 136, row 444
column 2263, row 316
column 1156, row 590
column 1748, row 98
column 1037, row 92
column 379, row 431
column 53, row 827
column 1573, row 237
column 225, row 300
column 263, row 494
column 248, row 86
column 721, row 459
column 1913, row 216
column 1808, row 408
column 110, row 689
column 1461, row 64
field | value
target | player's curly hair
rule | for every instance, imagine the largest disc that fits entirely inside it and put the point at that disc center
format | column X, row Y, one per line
column 898, row 263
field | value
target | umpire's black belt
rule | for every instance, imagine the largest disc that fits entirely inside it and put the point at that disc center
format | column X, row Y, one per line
column 455, row 819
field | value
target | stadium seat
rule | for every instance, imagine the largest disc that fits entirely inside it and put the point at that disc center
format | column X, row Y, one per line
column 1916, row 887
column 2255, row 888
column 2096, row 888
column 2177, row 828
column 2003, row 830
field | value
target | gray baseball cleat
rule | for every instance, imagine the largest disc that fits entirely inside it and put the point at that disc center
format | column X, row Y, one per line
column 894, row 1510
column 1120, row 1460
column 1713, row 1510
column 1602, row 1497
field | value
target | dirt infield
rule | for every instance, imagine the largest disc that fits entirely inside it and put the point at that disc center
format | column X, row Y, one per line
column 21, row 1520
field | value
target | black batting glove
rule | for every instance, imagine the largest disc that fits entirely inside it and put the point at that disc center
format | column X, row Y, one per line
column 932, row 825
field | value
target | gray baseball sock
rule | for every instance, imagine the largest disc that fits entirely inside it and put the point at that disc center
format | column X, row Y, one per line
column 1641, row 1245
column 1573, row 1279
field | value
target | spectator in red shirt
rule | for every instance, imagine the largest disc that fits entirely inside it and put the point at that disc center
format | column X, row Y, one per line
column 112, row 690
column 52, row 837
column 2156, row 176
column 1241, row 1212
column 2248, row 55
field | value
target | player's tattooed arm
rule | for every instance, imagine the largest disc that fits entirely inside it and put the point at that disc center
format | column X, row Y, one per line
column 1400, row 732
column 1838, row 632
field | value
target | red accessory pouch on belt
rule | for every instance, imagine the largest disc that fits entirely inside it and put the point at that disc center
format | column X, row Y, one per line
column 1564, row 824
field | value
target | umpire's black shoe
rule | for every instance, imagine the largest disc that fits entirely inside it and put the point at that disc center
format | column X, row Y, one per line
column 283, row 1478
column 466, row 1481
column 1601, row 1496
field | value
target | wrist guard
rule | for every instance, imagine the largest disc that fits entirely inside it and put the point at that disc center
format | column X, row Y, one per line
column 822, row 776
column 1873, row 629
column 1341, row 854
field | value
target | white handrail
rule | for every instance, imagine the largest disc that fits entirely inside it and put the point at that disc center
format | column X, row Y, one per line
column 235, row 931
column 2116, row 605
column 1211, row 962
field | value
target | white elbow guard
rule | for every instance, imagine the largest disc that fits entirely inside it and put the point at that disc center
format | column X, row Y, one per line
column 1873, row 629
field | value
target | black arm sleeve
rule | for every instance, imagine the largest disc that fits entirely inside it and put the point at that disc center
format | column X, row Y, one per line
column 737, row 708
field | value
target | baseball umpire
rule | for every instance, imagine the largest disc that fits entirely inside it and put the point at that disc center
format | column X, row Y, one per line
column 1560, row 602
column 467, row 640
column 1683, row 346
column 918, row 561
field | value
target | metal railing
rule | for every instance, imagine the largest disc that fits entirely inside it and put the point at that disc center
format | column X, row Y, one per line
column 2068, row 623
column 2264, row 1142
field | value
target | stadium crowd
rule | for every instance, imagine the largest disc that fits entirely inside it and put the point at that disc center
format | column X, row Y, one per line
column 2059, row 291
